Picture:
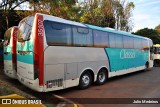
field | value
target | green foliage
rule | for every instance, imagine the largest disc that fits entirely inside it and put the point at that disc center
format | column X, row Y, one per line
column 158, row 28
column 105, row 13
column 97, row 12
column 7, row 7
column 122, row 13
column 150, row 33
column 13, row 20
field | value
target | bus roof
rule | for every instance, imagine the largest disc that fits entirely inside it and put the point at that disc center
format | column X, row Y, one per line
column 61, row 20
column 115, row 31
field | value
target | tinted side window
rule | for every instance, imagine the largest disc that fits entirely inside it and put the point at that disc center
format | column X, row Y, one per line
column 100, row 38
column 145, row 44
column 128, row 42
column 112, row 41
column 57, row 33
column 119, row 41
column 137, row 43
column 82, row 36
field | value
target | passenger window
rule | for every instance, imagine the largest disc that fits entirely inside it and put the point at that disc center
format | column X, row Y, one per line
column 128, row 42
column 100, row 38
column 137, row 43
column 57, row 33
column 119, row 41
column 82, row 36
column 82, row 30
column 145, row 44
column 112, row 41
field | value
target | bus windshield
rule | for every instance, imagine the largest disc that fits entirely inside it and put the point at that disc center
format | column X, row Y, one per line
column 25, row 27
column 157, row 50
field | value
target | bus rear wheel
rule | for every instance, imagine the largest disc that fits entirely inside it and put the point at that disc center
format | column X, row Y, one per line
column 85, row 80
column 101, row 77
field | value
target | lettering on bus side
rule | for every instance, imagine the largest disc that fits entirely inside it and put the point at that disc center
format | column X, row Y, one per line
column 40, row 27
column 127, row 54
column 15, row 34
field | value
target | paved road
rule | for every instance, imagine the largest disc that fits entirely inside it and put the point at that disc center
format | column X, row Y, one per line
column 135, row 85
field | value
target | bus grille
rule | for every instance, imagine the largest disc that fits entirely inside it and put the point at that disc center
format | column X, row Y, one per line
column 55, row 83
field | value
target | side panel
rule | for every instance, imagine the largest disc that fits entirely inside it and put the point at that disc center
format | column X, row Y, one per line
column 75, row 60
column 25, row 59
column 8, row 57
column 93, row 65
column 121, row 59
column 71, row 75
column 55, row 81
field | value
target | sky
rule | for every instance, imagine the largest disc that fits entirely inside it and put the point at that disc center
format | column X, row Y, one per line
column 146, row 14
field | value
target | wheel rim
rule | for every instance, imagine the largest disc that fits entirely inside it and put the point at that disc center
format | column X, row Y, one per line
column 102, row 77
column 85, row 80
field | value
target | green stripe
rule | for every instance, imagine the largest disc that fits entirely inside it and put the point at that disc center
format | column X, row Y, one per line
column 121, row 59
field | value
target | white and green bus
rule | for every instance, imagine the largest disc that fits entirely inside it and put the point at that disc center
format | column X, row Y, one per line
column 54, row 53
column 10, row 58
column 156, row 54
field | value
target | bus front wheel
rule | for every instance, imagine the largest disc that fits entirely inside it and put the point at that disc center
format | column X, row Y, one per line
column 85, row 80
column 146, row 66
column 156, row 63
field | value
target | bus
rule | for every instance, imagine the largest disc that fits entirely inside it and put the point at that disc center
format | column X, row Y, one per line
column 1, row 52
column 10, row 58
column 156, row 54
column 54, row 53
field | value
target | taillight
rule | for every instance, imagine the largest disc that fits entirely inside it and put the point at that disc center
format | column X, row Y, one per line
column 36, row 66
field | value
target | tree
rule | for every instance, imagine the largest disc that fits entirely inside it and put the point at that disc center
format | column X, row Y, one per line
column 158, row 28
column 150, row 33
column 66, row 9
column 122, row 12
column 97, row 12
column 108, row 13
column 7, row 6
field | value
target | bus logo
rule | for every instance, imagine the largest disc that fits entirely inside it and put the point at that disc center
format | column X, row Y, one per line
column 6, row 101
column 127, row 54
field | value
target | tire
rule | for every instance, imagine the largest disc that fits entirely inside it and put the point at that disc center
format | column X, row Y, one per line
column 146, row 67
column 156, row 63
column 85, row 80
column 101, row 77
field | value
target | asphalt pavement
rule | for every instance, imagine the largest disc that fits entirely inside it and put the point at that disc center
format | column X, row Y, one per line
column 121, row 89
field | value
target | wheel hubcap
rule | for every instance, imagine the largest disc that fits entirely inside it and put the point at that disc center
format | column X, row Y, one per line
column 102, row 77
column 85, row 80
